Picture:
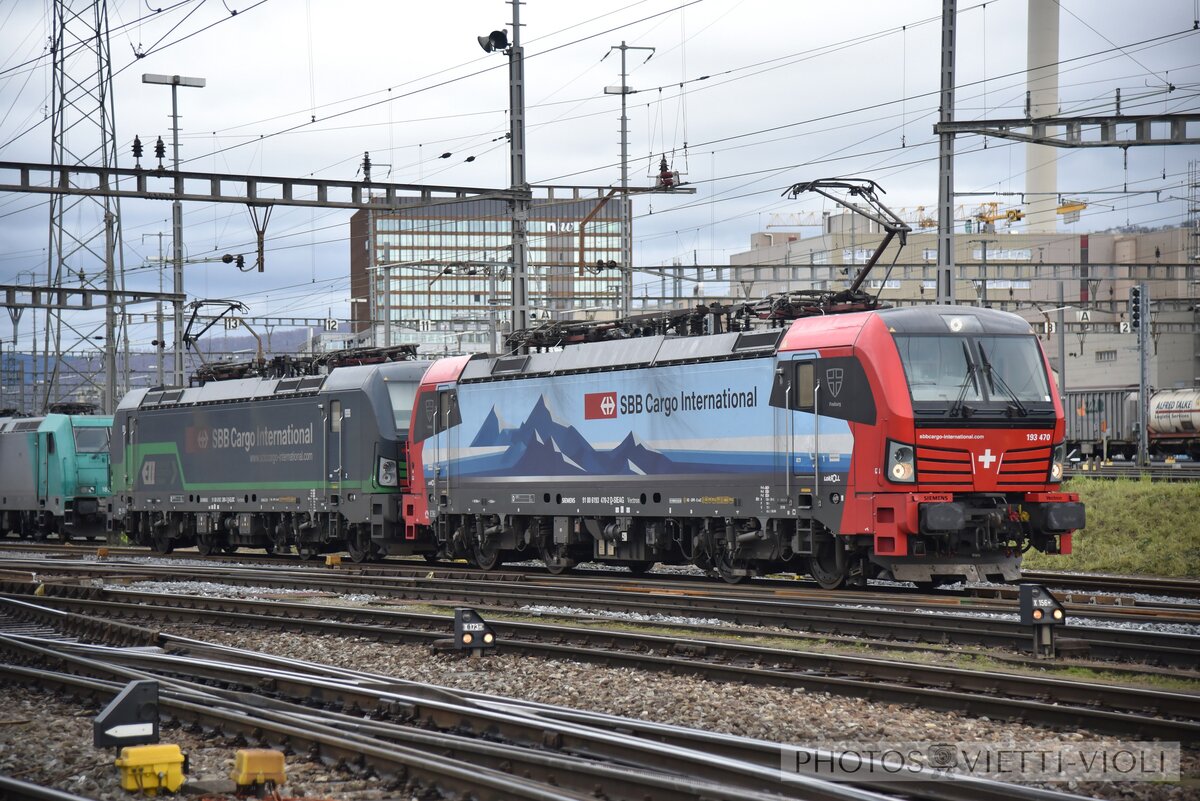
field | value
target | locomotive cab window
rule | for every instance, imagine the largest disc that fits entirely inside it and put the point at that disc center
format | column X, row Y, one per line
column 91, row 439
column 794, row 386
column 939, row 368
column 448, row 414
column 977, row 369
column 402, row 394
column 1013, row 365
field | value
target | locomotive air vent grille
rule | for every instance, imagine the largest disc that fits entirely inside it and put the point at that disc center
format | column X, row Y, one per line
column 287, row 385
column 151, row 399
column 311, row 383
column 172, row 397
column 944, row 466
column 1025, row 466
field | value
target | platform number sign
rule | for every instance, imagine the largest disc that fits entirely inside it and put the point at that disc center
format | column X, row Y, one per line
column 232, row 322
column 331, row 324
column 1049, row 327
column 1125, row 327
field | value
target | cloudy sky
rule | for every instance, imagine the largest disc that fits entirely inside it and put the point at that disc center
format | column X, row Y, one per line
column 744, row 96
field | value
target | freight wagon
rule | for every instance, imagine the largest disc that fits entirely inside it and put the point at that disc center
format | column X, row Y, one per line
column 1102, row 423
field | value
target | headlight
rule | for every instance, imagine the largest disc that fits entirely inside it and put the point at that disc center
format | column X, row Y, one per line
column 1056, row 462
column 901, row 465
column 87, row 490
column 387, row 472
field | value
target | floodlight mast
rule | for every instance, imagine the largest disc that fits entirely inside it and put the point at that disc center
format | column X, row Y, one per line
column 875, row 211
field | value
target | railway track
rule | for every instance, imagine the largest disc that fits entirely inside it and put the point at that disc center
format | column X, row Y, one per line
column 1180, row 471
column 1104, row 708
column 986, row 625
column 421, row 736
column 1098, row 582
column 1090, row 589
column 16, row 790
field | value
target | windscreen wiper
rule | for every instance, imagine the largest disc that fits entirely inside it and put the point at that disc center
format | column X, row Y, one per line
column 998, row 379
column 958, row 407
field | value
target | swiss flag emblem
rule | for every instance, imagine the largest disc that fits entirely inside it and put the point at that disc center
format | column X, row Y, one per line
column 599, row 405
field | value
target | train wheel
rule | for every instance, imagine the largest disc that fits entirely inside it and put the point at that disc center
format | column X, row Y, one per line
column 726, row 568
column 486, row 554
column 822, row 566
column 359, row 545
column 308, row 551
column 230, row 549
column 639, row 568
column 206, row 546
column 555, row 563
column 162, row 544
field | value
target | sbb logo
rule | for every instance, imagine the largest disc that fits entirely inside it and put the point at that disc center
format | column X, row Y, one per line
column 599, row 405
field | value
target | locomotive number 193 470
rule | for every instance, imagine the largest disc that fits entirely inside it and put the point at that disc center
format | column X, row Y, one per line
column 1037, row 437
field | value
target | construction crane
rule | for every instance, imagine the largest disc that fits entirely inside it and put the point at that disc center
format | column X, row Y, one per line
column 988, row 213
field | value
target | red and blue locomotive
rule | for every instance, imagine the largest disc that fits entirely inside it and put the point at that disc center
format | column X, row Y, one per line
column 919, row 443
column 922, row 444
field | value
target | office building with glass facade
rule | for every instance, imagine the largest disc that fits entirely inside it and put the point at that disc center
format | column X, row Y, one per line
column 438, row 272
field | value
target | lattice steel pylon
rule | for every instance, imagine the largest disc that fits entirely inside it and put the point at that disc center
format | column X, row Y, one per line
column 85, row 232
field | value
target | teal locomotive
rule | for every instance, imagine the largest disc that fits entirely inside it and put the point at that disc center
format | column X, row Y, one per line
column 54, row 475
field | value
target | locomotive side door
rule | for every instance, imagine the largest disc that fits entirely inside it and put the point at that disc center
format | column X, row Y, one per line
column 797, row 436
column 45, row 451
column 442, row 409
column 447, row 427
column 50, row 474
column 127, row 463
column 334, row 460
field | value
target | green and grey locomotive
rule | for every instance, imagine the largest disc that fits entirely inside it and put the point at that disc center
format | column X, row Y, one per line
column 313, row 463
column 54, row 475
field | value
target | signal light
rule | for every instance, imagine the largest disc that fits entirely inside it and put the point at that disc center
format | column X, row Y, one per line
column 1042, row 611
column 471, row 632
column 1135, row 307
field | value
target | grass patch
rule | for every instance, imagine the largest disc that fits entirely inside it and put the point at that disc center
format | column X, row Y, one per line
column 1133, row 527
